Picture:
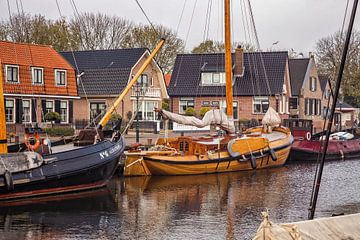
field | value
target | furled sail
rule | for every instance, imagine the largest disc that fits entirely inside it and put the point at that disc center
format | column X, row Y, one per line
column 212, row 117
column 271, row 118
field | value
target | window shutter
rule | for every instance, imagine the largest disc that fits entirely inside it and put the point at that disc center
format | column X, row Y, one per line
column 43, row 106
column 57, row 109
column 33, row 110
column 71, row 115
column 19, row 111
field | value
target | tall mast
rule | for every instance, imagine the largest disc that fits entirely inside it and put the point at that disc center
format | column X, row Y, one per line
column 3, row 139
column 228, row 62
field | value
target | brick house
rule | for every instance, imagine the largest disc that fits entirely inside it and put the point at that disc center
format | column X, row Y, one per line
column 103, row 74
column 36, row 80
column 260, row 80
column 309, row 94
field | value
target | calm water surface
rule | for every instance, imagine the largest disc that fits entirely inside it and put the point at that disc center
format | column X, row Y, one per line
column 216, row 206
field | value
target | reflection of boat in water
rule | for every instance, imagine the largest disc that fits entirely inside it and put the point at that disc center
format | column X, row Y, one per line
column 260, row 147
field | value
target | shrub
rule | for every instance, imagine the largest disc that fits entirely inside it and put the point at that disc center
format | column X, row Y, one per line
column 204, row 110
column 52, row 116
column 244, row 121
column 115, row 117
column 190, row 111
column 165, row 106
column 60, row 131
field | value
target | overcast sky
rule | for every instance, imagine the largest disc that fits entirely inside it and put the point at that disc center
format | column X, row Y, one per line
column 295, row 24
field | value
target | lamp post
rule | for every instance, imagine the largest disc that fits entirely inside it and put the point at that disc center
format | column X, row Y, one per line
column 139, row 90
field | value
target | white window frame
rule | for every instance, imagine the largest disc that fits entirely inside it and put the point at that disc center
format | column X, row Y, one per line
column 313, row 83
column 211, row 75
column 53, row 108
column 187, row 100
column 30, row 113
column 260, row 98
column 14, row 109
column 56, row 80
column 33, row 75
column 6, row 73
column 67, row 111
column 144, row 111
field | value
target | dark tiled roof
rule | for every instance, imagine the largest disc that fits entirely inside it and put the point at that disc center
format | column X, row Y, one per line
column 105, row 71
column 186, row 77
column 297, row 68
column 343, row 105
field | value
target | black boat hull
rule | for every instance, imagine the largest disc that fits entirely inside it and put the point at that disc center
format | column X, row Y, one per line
column 74, row 170
column 299, row 155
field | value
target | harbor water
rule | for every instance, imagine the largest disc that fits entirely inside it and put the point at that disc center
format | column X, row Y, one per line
column 214, row 206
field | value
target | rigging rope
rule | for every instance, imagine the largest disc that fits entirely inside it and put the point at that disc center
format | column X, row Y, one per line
column 148, row 19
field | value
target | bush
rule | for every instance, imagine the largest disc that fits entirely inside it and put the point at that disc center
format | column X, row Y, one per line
column 204, row 110
column 115, row 117
column 60, row 131
column 165, row 106
column 190, row 111
column 244, row 121
column 52, row 116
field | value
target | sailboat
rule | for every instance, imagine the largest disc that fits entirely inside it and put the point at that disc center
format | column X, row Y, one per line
column 259, row 147
column 28, row 174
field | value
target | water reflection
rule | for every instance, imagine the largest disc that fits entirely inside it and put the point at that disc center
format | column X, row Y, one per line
column 214, row 206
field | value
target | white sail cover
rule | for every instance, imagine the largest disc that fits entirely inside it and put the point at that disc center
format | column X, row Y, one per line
column 271, row 118
column 214, row 116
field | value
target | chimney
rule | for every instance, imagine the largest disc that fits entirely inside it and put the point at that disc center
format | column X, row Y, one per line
column 239, row 62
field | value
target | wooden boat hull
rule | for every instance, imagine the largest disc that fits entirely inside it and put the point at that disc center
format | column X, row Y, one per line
column 218, row 163
column 337, row 150
column 79, row 169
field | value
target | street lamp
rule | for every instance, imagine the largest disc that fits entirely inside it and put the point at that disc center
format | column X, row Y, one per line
column 139, row 91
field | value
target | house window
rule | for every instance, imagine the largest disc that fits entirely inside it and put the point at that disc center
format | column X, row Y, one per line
column 60, row 77
column 26, row 117
column 146, row 110
column 12, row 73
column 235, row 110
column 313, row 84
column 205, row 104
column 185, row 103
column 293, row 103
column 260, row 104
column 212, row 78
column 143, row 80
column 10, row 110
column 96, row 109
column 37, row 75
column 64, row 111
column 49, row 106
column 327, row 94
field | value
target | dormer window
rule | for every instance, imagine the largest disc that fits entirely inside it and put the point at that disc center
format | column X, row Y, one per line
column 60, row 77
column 213, row 78
column 313, row 84
column 37, row 75
column 12, row 73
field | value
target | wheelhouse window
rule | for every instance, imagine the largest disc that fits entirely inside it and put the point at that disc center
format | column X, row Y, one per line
column 12, row 73
column 26, row 114
column 186, row 103
column 49, row 106
column 213, row 78
column 64, row 111
column 60, row 77
column 260, row 105
column 313, row 84
column 10, row 110
column 96, row 109
column 37, row 75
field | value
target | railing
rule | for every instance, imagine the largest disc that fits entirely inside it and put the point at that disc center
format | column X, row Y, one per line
column 148, row 92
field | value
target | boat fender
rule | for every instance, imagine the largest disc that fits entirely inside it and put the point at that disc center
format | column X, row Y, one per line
column 308, row 136
column 273, row 154
column 9, row 183
column 253, row 161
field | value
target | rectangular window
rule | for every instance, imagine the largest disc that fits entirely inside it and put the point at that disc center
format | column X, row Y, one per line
column 64, row 111
column 97, row 109
column 26, row 117
column 235, row 110
column 260, row 104
column 60, row 77
column 12, row 73
column 205, row 104
column 143, row 80
column 293, row 103
column 37, row 75
column 149, row 113
column 313, row 84
column 186, row 103
column 212, row 78
column 10, row 110
column 49, row 106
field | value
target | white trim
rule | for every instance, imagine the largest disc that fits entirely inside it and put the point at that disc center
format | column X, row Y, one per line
column 14, row 114
column 55, row 75
column 18, row 75
column 22, row 105
column 33, row 77
column 147, row 98
column 41, row 96
column 67, row 111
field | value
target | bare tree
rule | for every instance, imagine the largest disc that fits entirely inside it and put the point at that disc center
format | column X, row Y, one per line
column 148, row 37
column 99, row 31
column 328, row 53
column 211, row 46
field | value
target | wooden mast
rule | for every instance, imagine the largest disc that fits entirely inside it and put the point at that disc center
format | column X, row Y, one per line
column 228, row 62
column 107, row 116
column 3, row 139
